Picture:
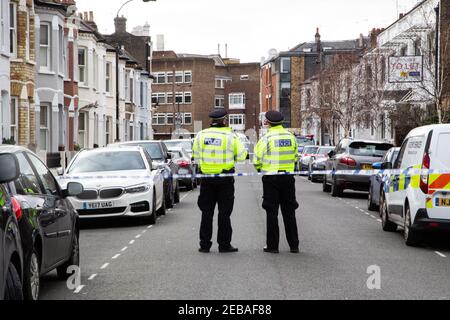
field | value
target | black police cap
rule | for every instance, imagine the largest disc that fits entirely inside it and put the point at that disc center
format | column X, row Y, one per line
column 274, row 117
column 218, row 114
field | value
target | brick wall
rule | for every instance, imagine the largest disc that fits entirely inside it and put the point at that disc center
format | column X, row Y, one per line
column 297, row 78
column 445, row 50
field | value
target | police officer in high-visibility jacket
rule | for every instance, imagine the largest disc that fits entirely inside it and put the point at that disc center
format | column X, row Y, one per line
column 217, row 150
column 277, row 153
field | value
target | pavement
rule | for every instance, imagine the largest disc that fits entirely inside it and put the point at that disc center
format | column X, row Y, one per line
column 340, row 242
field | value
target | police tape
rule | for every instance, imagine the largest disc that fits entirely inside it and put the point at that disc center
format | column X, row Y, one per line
column 406, row 173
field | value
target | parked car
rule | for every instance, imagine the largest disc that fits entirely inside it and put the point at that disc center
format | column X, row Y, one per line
column 246, row 143
column 161, row 159
column 49, row 224
column 419, row 203
column 318, row 163
column 11, row 256
column 352, row 155
column 185, row 167
column 306, row 156
column 376, row 180
column 186, row 144
column 304, row 141
column 118, row 182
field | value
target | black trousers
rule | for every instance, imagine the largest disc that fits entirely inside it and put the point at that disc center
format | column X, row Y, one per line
column 279, row 191
column 218, row 192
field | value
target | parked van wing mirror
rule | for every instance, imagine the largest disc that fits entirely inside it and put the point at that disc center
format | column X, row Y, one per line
column 60, row 171
column 386, row 166
column 331, row 154
column 9, row 168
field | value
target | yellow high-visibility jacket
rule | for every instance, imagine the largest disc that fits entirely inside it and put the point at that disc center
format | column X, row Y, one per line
column 218, row 149
column 276, row 151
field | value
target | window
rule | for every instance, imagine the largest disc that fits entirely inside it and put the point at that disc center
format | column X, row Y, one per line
column 28, row 183
column 141, row 92
column 179, row 97
column 127, row 86
column 179, row 77
column 13, row 28
column 43, row 127
column 169, row 98
column 159, row 98
column 82, row 119
column 187, row 76
column 46, row 177
column 108, row 77
column 220, row 102
column 220, row 82
column 237, row 101
column 62, row 51
column 159, row 119
column 403, row 51
column 187, row 97
column 108, row 130
column 169, row 77
column 169, row 118
column 45, row 46
column 82, row 65
column 187, row 118
column 237, row 119
column 14, row 118
column 286, row 65
column 131, row 89
column 27, row 35
column 95, row 70
column 160, row 78
column 418, row 47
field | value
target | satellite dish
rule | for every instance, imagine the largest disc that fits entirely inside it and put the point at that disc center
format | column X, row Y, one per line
column 273, row 53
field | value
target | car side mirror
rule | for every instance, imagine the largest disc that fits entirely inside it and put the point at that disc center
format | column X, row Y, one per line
column 331, row 154
column 9, row 168
column 169, row 156
column 386, row 166
column 60, row 171
column 73, row 189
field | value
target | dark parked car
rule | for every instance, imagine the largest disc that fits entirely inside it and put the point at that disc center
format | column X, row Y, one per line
column 185, row 167
column 11, row 258
column 352, row 155
column 49, row 224
column 161, row 160
column 376, row 180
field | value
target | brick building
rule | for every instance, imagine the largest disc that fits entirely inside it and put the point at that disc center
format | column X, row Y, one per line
column 23, row 73
column 201, row 84
column 283, row 73
column 445, row 50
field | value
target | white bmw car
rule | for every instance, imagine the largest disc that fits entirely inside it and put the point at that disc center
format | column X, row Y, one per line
column 118, row 182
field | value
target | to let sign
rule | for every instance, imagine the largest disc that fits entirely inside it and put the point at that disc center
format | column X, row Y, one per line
column 406, row 69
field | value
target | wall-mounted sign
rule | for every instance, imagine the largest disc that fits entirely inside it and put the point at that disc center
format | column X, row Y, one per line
column 405, row 69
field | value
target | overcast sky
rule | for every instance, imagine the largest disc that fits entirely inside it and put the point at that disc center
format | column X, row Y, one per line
column 250, row 27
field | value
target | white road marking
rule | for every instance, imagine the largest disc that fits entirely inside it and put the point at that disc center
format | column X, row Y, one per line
column 149, row 227
column 124, row 249
column 373, row 217
column 132, row 241
column 440, row 254
column 116, row 256
column 379, row 220
column 138, row 236
column 105, row 266
column 77, row 290
column 92, row 277
column 144, row 231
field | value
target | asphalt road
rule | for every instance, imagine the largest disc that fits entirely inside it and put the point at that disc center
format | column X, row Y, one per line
column 340, row 240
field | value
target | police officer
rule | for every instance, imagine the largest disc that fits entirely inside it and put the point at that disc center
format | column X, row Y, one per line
column 217, row 150
column 277, row 152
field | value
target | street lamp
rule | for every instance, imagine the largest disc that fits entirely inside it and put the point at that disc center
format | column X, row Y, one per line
column 118, row 52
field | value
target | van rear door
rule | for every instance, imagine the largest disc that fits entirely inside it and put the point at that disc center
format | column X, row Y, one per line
column 438, row 204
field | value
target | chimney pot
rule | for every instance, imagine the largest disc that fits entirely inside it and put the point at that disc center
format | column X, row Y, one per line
column 91, row 16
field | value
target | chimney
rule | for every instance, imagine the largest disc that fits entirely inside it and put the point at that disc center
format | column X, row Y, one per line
column 218, row 49
column 86, row 16
column 91, row 16
column 374, row 37
column 121, row 24
column 226, row 50
column 318, row 42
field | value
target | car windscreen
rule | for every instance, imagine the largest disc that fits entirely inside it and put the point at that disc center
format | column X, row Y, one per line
column 153, row 149
column 310, row 150
column 187, row 145
column 176, row 154
column 324, row 151
column 369, row 149
column 305, row 141
column 107, row 161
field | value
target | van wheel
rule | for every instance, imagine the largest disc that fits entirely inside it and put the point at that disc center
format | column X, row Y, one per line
column 412, row 237
column 74, row 259
column 336, row 191
column 387, row 225
column 13, row 289
column 31, row 277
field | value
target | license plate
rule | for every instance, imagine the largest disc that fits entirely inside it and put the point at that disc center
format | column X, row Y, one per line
column 367, row 167
column 444, row 202
column 98, row 205
column 183, row 171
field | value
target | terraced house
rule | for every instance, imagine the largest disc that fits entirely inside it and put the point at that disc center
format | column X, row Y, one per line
column 5, row 119
column 23, row 73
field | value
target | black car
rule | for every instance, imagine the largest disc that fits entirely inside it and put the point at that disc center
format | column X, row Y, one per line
column 161, row 159
column 11, row 258
column 376, row 180
column 49, row 224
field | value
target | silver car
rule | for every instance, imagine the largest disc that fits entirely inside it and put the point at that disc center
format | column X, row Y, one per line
column 352, row 155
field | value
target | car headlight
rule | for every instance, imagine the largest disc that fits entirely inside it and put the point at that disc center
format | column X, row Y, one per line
column 138, row 189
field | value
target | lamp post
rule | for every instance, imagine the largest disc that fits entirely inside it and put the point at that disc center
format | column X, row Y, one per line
column 118, row 52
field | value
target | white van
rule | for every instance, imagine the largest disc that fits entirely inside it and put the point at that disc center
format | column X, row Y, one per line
column 419, row 202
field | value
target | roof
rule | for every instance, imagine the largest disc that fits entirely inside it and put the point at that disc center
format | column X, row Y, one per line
column 426, row 129
column 6, row 148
